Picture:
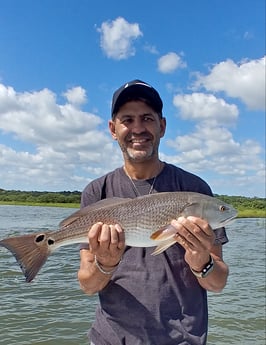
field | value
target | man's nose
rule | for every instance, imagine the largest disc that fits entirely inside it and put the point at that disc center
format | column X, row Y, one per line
column 138, row 126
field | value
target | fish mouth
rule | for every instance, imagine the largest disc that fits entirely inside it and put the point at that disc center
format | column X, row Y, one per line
column 228, row 220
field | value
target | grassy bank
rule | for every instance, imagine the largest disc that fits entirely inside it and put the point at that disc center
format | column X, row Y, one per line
column 242, row 212
column 251, row 213
column 44, row 204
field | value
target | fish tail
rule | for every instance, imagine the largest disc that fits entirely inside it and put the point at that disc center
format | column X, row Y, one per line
column 31, row 252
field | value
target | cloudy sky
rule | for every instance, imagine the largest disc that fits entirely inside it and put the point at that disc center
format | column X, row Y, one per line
column 60, row 62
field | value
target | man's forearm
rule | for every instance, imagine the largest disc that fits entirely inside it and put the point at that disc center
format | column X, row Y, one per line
column 216, row 280
column 91, row 279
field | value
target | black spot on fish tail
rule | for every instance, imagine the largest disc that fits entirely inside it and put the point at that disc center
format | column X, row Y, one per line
column 50, row 241
column 40, row 238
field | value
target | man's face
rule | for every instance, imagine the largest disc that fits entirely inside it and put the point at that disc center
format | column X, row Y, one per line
column 138, row 129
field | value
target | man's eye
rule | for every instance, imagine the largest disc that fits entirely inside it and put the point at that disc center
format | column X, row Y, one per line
column 126, row 121
column 148, row 119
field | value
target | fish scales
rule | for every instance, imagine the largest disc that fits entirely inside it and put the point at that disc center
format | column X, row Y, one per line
column 145, row 221
column 140, row 216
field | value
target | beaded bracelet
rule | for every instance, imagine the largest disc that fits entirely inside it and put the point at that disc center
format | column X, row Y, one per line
column 100, row 268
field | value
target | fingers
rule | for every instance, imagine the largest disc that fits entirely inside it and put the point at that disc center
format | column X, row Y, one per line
column 93, row 236
column 107, row 241
column 194, row 233
column 121, row 237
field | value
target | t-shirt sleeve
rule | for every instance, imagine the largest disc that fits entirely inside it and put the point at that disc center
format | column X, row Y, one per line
column 91, row 194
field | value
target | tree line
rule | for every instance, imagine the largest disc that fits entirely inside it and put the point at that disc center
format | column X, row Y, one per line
column 242, row 202
column 67, row 197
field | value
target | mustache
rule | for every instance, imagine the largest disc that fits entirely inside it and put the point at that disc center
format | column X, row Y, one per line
column 144, row 135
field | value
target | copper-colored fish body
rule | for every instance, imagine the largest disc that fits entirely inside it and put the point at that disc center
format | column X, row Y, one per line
column 145, row 221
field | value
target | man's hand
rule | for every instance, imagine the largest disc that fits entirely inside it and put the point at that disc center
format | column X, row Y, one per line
column 197, row 238
column 107, row 242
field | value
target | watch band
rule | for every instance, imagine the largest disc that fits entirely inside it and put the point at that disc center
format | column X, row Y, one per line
column 206, row 269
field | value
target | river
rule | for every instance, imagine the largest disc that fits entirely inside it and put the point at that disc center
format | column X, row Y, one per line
column 52, row 310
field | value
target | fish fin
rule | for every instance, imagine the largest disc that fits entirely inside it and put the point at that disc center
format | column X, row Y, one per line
column 94, row 207
column 163, row 246
column 31, row 252
column 164, row 233
column 168, row 231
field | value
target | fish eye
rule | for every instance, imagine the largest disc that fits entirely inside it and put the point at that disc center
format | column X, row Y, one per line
column 222, row 208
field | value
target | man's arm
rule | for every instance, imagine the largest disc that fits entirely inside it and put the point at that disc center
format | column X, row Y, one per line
column 197, row 238
column 107, row 244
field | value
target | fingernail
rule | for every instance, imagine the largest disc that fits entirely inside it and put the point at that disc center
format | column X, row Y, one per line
column 118, row 228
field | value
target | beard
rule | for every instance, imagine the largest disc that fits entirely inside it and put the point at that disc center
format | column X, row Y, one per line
column 139, row 152
column 138, row 155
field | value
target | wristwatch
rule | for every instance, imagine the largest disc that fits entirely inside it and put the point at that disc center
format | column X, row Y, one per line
column 206, row 269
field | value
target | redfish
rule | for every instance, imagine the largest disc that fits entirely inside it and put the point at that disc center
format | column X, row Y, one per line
column 145, row 221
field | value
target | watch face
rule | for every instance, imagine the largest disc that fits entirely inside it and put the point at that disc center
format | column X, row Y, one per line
column 205, row 271
column 208, row 268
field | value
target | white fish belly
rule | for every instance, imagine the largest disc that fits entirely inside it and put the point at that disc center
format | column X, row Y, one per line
column 139, row 237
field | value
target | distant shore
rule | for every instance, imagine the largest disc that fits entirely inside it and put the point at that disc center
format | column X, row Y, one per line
column 242, row 212
column 42, row 204
column 247, row 207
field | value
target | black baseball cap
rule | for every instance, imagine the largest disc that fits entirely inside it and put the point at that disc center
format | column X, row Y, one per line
column 134, row 89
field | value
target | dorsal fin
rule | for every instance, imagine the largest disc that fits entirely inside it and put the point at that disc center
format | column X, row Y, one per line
column 96, row 206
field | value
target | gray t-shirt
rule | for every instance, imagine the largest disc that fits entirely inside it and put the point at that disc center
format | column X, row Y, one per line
column 150, row 300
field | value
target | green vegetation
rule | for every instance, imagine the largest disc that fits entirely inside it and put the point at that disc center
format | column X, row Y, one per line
column 247, row 207
column 56, row 199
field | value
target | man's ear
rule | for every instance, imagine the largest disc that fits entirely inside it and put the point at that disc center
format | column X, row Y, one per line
column 111, row 125
column 163, row 126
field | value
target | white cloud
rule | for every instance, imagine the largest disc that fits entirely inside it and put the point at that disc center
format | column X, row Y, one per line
column 215, row 150
column 245, row 81
column 76, row 95
column 209, row 141
column 117, row 38
column 60, row 145
column 151, row 49
column 37, row 118
column 50, row 146
column 170, row 62
column 208, row 108
column 211, row 147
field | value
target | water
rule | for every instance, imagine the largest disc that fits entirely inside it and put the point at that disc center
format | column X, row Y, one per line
column 53, row 311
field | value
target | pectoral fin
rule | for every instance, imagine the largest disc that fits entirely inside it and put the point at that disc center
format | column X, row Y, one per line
column 163, row 246
column 164, row 233
column 166, row 236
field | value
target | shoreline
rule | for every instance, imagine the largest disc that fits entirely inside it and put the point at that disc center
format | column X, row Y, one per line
column 242, row 213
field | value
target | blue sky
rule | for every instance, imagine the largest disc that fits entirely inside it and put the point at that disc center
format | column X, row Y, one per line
column 60, row 62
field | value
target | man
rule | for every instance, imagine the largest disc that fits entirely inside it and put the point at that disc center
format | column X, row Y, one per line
column 145, row 299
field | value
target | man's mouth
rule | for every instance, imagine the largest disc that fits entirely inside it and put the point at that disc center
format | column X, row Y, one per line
column 139, row 141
